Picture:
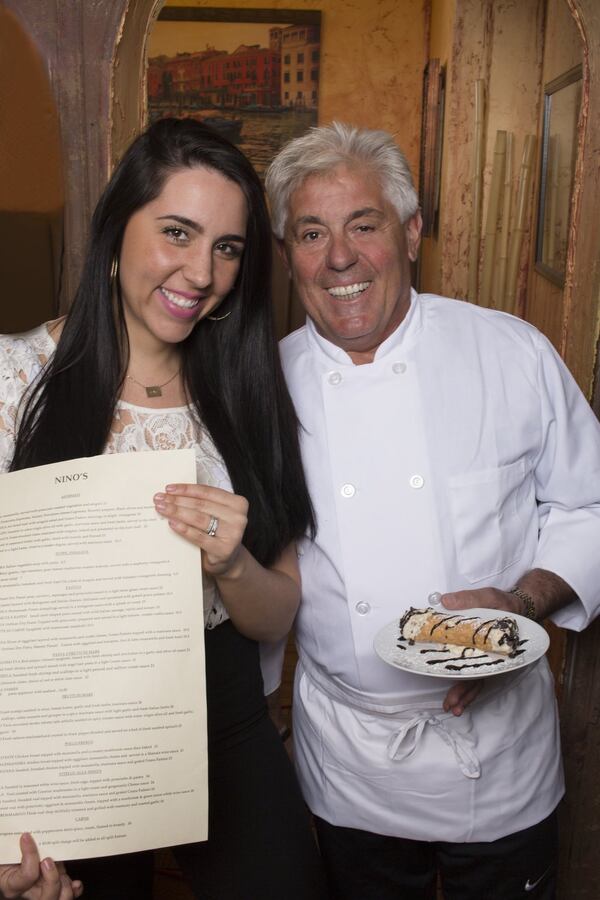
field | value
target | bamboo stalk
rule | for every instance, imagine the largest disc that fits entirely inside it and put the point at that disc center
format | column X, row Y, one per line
column 500, row 288
column 516, row 238
column 491, row 225
column 476, row 192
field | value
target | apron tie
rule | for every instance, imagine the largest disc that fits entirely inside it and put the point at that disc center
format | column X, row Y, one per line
column 403, row 742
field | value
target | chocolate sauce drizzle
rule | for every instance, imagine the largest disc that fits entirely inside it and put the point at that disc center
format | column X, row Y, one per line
column 469, row 657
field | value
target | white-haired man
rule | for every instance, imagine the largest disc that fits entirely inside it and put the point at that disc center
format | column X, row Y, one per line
column 448, row 451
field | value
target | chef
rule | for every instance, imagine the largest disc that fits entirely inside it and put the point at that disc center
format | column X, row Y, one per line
column 451, row 459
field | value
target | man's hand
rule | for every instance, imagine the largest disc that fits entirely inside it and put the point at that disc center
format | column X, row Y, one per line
column 548, row 591
column 461, row 695
column 34, row 880
column 488, row 598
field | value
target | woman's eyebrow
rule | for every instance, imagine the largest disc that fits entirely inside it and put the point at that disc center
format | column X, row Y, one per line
column 190, row 223
column 239, row 238
column 183, row 221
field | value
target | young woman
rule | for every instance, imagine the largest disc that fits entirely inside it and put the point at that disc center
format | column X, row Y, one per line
column 169, row 344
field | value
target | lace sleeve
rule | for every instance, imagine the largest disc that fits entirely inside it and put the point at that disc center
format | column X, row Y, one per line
column 7, row 409
column 18, row 367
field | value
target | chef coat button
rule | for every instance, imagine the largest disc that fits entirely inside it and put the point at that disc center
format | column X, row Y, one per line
column 435, row 599
column 362, row 608
column 399, row 368
column 416, row 482
column 348, row 490
column 334, row 378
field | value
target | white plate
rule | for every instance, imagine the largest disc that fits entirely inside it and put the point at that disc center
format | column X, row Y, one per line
column 415, row 657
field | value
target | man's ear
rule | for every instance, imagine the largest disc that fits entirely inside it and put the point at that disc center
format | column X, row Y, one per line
column 413, row 235
column 283, row 253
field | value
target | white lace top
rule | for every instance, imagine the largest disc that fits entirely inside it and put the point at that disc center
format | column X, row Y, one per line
column 134, row 428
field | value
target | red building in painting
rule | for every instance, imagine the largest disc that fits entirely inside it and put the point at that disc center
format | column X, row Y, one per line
column 286, row 73
column 178, row 78
column 250, row 76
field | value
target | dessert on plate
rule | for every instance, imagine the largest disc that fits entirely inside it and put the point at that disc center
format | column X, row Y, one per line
column 500, row 635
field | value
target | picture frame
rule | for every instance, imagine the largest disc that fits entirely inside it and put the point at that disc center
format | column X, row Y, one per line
column 562, row 101
column 252, row 74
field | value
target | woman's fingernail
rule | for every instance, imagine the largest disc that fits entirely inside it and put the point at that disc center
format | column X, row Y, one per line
column 48, row 865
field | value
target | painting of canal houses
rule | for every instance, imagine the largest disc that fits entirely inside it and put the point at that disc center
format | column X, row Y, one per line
column 253, row 75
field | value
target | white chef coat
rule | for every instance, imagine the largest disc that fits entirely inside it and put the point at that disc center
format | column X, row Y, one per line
column 461, row 457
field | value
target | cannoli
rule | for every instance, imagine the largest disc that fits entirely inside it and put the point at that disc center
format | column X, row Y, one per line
column 493, row 636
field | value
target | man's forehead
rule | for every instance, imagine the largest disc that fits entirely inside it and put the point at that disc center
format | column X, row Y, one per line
column 355, row 176
column 344, row 192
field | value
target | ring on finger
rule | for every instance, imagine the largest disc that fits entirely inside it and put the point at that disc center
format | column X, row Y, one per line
column 212, row 526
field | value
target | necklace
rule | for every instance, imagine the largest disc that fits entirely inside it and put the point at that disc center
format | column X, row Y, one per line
column 153, row 390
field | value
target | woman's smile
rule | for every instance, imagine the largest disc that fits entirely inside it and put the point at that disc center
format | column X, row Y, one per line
column 178, row 304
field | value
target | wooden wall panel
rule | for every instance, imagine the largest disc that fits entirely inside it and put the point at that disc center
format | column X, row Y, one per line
column 502, row 44
column 582, row 287
column 580, row 701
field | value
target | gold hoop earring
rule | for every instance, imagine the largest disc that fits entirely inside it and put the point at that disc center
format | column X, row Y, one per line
column 114, row 270
column 219, row 318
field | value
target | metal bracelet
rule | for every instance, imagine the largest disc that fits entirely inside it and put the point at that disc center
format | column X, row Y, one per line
column 528, row 603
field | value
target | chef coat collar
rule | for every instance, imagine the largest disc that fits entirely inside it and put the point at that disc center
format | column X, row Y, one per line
column 405, row 333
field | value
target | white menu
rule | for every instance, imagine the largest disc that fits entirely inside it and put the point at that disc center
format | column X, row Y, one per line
column 102, row 684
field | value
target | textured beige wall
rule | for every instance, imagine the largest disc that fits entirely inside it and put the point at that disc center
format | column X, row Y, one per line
column 30, row 159
column 31, row 187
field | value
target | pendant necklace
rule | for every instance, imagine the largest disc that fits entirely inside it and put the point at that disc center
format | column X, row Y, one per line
column 153, row 390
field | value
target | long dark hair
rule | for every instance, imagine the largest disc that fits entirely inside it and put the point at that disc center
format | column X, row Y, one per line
column 230, row 368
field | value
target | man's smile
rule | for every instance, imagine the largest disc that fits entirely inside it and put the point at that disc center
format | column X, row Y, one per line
column 349, row 291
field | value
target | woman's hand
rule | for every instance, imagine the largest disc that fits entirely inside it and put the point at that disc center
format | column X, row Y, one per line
column 261, row 601
column 34, row 880
column 211, row 518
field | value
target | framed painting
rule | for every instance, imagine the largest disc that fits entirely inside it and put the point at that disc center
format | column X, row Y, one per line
column 252, row 74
